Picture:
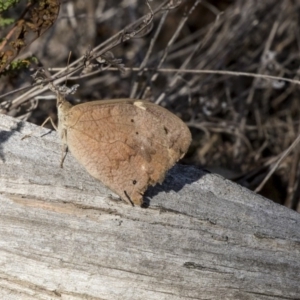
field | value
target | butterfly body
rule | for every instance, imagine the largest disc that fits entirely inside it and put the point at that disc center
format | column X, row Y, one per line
column 127, row 144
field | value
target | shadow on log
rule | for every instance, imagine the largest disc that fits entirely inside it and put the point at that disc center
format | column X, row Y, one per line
column 64, row 235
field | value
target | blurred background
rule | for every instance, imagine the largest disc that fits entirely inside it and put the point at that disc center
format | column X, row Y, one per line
column 242, row 126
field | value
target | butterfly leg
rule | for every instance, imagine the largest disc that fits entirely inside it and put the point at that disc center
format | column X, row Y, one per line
column 128, row 198
column 64, row 154
column 30, row 134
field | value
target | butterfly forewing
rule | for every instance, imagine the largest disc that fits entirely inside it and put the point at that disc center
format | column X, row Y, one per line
column 126, row 144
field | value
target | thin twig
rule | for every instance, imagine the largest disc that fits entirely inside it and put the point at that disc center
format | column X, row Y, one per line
column 283, row 156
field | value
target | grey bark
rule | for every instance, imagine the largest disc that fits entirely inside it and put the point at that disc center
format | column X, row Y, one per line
column 65, row 236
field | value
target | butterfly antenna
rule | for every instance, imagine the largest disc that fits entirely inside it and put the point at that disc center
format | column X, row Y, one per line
column 69, row 58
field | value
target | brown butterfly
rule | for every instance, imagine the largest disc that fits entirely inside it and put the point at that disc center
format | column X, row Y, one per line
column 126, row 144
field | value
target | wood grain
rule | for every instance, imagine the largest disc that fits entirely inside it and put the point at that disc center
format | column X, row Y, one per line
column 65, row 236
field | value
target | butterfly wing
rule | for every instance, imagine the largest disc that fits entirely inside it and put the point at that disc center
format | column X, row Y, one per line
column 126, row 144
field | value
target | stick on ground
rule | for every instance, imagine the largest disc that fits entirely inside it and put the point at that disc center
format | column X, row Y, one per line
column 202, row 237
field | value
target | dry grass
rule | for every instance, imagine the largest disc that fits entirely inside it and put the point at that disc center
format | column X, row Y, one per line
column 242, row 125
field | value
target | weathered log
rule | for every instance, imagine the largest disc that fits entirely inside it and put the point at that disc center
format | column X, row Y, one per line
column 65, row 236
